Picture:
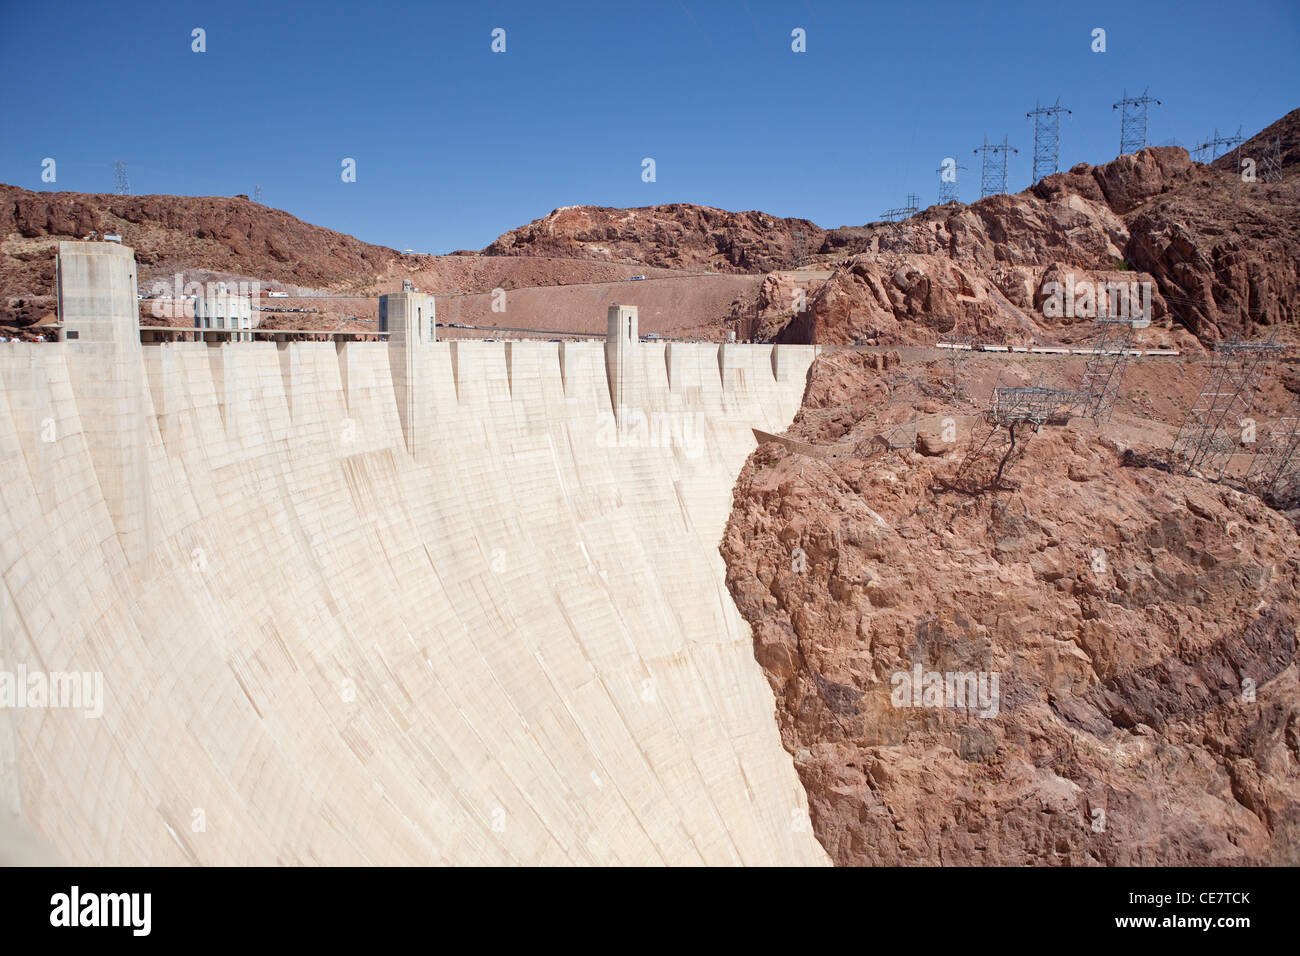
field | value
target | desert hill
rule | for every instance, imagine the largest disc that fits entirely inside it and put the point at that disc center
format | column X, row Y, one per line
column 677, row 236
column 209, row 238
column 1284, row 133
column 1222, row 256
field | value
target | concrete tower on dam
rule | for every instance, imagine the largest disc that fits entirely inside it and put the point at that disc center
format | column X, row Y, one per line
column 409, row 318
column 96, row 283
column 621, row 340
column 382, row 602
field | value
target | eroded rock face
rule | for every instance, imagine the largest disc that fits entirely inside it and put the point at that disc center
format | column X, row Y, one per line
column 890, row 300
column 1226, row 269
column 672, row 236
column 214, row 232
column 1127, row 182
column 1222, row 257
column 1142, row 627
column 200, row 236
column 32, row 215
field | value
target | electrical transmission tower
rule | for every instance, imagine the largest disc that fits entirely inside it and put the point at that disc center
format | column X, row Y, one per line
column 903, row 429
column 994, row 444
column 1211, row 433
column 960, row 346
column 1212, row 144
column 1104, row 373
column 1047, row 138
column 1036, row 405
column 1133, row 121
column 1277, row 458
column 1272, row 162
column 121, row 185
column 257, row 194
column 896, row 216
column 947, row 189
column 902, row 212
column 993, row 167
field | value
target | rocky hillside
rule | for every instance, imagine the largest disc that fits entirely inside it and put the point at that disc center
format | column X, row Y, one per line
column 676, row 236
column 1223, row 257
column 1284, row 135
column 216, row 238
column 233, row 235
column 198, row 236
column 1141, row 627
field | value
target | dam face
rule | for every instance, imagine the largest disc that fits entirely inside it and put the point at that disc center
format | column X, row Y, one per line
column 469, row 611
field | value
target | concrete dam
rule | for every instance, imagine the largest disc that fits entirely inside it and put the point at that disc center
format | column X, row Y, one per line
column 408, row 602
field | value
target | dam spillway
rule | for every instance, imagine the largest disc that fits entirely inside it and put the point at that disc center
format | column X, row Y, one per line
column 484, row 625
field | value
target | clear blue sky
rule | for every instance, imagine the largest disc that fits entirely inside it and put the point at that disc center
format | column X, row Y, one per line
column 455, row 144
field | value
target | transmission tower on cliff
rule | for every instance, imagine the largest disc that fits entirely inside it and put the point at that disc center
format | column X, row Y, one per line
column 1277, row 457
column 1212, row 144
column 1272, row 162
column 257, row 194
column 1047, row 138
column 993, row 167
column 121, row 185
column 1210, row 434
column 948, row 174
column 1104, row 373
column 1133, row 121
column 902, row 212
column 895, row 216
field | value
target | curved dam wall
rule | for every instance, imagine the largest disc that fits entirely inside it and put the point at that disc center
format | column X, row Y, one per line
column 488, row 627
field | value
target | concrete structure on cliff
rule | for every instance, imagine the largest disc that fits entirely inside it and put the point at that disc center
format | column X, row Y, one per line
column 381, row 602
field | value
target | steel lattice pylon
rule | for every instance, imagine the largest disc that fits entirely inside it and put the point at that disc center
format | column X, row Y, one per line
column 1212, row 144
column 948, row 189
column 1035, row 405
column 901, row 434
column 1047, row 138
column 1211, row 433
column 902, row 212
column 121, row 184
column 1277, row 457
column 1104, row 373
column 993, row 167
column 1272, row 162
column 896, row 216
column 1133, row 121
column 959, row 345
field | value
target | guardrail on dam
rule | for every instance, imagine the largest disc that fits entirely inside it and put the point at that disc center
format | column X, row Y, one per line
column 410, row 602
